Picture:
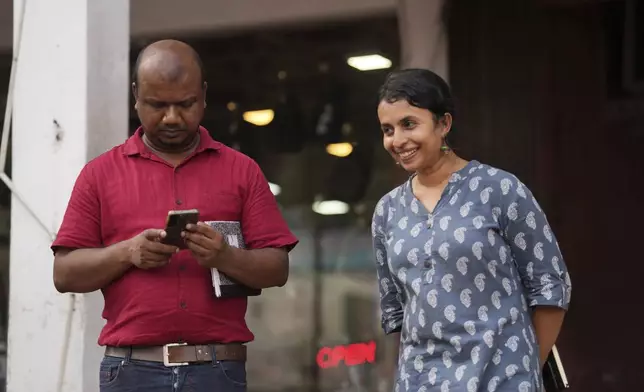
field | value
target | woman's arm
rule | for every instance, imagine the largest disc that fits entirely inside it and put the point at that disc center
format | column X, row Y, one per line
column 547, row 322
column 390, row 297
column 540, row 263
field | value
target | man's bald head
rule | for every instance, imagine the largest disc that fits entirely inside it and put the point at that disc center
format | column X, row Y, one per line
column 170, row 58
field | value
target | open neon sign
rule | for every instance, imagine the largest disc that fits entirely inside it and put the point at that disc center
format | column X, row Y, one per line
column 352, row 355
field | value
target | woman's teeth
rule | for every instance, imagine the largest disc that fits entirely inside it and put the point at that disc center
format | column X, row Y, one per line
column 407, row 154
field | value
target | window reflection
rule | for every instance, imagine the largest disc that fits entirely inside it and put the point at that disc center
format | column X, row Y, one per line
column 323, row 326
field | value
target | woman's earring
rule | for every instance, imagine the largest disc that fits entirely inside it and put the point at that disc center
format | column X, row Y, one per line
column 445, row 148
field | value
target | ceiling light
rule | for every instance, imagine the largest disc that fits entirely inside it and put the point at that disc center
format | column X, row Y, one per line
column 275, row 189
column 369, row 62
column 259, row 117
column 330, row 207
column 339, row 149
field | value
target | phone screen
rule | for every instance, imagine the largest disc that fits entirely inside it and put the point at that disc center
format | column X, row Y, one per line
column 175, row 223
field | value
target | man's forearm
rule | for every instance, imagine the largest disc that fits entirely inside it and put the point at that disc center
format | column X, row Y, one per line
column 87, row 270
column 547, row 322
column 256, row 268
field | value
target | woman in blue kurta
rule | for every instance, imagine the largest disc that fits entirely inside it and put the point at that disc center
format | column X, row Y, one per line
column 469, row 270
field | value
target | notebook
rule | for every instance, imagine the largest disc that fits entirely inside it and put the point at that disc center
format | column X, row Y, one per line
column 223, row 285
column 554, row 375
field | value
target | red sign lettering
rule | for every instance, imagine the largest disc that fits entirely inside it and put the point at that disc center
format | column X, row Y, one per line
column 352, row 355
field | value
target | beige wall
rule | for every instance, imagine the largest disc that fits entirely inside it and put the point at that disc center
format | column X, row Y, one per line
column 152, row 17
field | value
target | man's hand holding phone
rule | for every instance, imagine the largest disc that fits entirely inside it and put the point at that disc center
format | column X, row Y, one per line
column 206, row 244
column 146, row 250
column 154, row 247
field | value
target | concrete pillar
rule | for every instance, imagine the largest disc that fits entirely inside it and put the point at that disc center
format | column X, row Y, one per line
column 423, row 35
column 70, row 104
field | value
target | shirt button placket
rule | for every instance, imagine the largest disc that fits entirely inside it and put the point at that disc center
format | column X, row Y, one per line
column 175, row 187
column 176, row 191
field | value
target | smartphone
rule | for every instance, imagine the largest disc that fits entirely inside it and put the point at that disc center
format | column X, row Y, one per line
column 176, row 223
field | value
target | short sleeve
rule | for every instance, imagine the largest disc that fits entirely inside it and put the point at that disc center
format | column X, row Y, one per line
column 81, row 227
column 262, row 222
column 390, row 298
column 534, row 247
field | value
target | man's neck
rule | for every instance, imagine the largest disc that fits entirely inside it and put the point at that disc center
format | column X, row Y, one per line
column 175, row 156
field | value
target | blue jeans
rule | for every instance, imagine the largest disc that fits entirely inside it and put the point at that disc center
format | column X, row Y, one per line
column 127, row 375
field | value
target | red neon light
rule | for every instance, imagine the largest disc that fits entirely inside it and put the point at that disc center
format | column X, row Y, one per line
column 352, row 355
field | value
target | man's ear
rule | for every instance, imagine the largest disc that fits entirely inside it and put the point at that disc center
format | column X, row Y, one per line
column 135, row 95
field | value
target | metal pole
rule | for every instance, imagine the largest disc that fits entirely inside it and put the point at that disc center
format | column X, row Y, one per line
column 8, row 111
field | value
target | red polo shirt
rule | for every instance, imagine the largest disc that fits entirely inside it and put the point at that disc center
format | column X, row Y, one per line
column 127, row 190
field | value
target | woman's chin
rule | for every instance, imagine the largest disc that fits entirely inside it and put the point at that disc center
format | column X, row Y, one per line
column 412, row 164
column 409, row 167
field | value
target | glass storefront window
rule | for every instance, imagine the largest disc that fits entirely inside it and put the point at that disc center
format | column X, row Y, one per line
column 321, row 332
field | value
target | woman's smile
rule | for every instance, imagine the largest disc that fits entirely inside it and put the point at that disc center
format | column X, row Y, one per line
column 407, row 155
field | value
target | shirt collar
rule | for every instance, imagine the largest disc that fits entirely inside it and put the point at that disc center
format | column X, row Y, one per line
column 135, row 146
column 455, row 182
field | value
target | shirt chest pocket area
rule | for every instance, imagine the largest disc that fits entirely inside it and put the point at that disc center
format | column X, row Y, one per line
column 475, row 237
column 220, row 206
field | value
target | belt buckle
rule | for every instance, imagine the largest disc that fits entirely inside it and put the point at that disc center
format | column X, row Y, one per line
column 166, row 355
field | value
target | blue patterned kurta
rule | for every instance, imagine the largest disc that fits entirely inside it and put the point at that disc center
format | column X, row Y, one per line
column 459, row 282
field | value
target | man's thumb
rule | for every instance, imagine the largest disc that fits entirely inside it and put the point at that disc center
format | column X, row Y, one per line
column 154, row 234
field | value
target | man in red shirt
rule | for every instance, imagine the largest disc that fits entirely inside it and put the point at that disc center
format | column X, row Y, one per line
column 166, row 330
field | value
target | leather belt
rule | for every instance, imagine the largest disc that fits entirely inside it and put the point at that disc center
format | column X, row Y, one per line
column 180, row 354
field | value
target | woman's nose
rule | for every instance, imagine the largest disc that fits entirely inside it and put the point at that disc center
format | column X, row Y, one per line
column 399, row 140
